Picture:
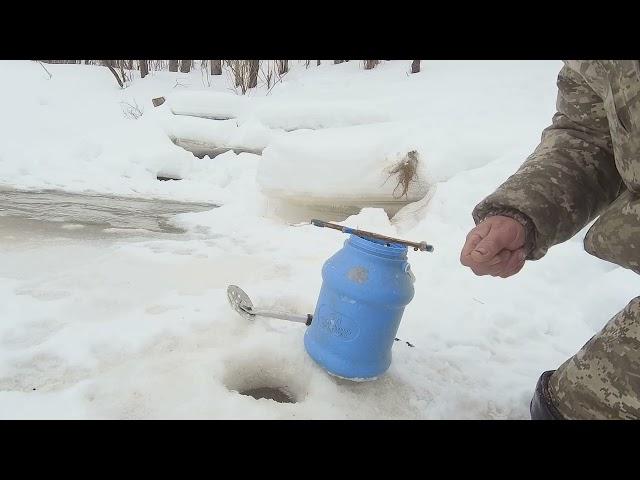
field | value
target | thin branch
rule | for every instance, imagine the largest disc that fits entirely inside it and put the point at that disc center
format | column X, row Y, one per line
column 131, row 111
column 45, row 69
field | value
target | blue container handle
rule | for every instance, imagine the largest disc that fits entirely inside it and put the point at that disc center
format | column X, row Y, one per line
column 407, row 270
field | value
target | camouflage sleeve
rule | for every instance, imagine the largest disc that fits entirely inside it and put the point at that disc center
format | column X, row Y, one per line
column 526, row 222
column 569, row 178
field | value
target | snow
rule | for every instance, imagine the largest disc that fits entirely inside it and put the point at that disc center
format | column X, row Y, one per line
column 121, row 323
column 339, row 163
column 217, row 105
column 301, row 113
column 436, row 113
column 251, row 135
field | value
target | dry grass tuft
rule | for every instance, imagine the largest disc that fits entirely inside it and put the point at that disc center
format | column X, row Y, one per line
column 406, row 172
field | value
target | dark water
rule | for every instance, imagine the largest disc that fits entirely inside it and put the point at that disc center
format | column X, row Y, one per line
column 278, row 394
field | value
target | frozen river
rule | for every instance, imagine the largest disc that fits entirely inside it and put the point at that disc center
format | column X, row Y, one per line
column 29, row 215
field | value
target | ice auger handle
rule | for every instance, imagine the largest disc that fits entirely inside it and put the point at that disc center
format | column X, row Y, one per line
column 422, row 246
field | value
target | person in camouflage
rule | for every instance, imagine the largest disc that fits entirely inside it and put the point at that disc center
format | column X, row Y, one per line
column 586, row 166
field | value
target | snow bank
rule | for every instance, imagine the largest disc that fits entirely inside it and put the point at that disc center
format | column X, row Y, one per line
column 74, row 131
column 206, row 137
column 276, row 112
column 293, row 114
column 340, row 165
column 456, row 115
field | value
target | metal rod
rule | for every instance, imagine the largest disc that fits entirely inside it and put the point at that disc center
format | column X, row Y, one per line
column 422, row 246
column 306, row 319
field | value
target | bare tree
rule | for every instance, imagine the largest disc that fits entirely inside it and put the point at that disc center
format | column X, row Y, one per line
column 318, row 63
column 254, row 68
column 369, row 64
column 283, row 66
column 268, row 75
column 185, row 66
column 173, row 65
column 216, row 67
column 159, row 64
column 45, row 69
column 123, row 74
column 109, row 64
column 415, row 66
column 237, row 69
column 144, row 68
column 245, row 73
column 240, row 71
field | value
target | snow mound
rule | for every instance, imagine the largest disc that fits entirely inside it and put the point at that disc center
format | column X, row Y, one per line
column 206, row 104
column 341, row 165
column 276, row 112
column 200, row 135
column 294, row 114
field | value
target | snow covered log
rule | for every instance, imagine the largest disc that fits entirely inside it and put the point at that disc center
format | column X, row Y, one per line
column 211, row 105
column 276, row 112
column 205, row 137
column 247, row 124
column 358, row 167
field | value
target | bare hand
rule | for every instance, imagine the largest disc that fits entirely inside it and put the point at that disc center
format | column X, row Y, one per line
column 495, row 247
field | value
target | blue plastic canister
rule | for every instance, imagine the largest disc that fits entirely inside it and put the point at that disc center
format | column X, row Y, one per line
column 365, row 288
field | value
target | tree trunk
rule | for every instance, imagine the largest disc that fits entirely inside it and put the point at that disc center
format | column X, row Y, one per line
column 369, row 64
column 115, row 74
column 335, row 62
column 185, row 66
column 173, row 65
column 216, row 67
column 144, row 68
column 318, row 63
column 283, row 66
column 236, row 66
column 415, row 66
column 123, row 75
column 254, row 68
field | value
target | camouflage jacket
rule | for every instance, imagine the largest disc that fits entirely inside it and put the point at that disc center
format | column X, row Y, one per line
column 587, row 165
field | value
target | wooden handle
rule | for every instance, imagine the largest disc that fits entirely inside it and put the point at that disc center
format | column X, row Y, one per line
column 422, row 246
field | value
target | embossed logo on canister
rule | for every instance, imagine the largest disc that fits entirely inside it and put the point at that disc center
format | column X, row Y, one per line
column 337, row 324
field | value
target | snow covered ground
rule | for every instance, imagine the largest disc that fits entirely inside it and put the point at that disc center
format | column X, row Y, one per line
column 97, row 323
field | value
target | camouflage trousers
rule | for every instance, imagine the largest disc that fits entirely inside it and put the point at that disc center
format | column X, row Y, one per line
column 602, row 380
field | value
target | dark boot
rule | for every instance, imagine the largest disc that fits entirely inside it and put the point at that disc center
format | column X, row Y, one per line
column 541, row 406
